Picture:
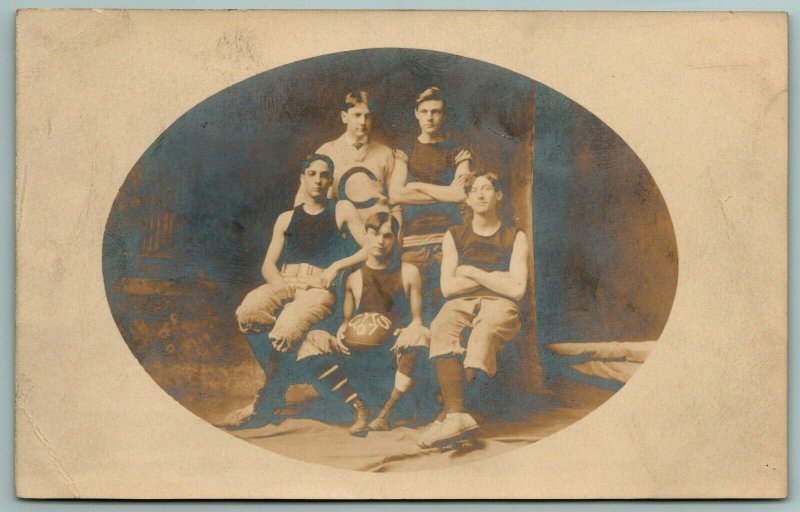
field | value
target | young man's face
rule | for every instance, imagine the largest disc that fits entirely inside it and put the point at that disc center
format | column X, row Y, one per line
column 317, row 179
column 430, row 115
column 358, row 119
column 482, row 196
column 381, row 242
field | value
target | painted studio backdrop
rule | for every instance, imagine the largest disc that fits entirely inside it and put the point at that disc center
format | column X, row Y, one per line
column 189, row 229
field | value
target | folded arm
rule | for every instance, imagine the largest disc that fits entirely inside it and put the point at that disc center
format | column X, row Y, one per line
column 511, row 284
column 453, row 284
column 347, row 216
column 402, row 192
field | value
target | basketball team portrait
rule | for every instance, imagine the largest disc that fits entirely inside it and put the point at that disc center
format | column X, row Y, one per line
column 390, row 260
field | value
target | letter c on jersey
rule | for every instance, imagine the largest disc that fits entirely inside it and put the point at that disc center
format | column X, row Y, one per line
column 343, row 182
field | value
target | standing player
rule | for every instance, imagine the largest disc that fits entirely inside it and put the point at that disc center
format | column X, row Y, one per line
column 484, row 275
column 430, row 173
column 309, row 244
column 362, row 165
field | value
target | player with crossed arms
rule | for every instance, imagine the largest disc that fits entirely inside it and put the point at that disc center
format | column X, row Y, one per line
column 484, row 276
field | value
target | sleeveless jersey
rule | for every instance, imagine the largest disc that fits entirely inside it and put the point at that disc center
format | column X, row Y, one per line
column 382, row 292
column 489, row 253
column 435, row 164
column 314, row 239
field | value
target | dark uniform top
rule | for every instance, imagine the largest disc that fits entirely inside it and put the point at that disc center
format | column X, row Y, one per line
column 382, row 292
column 314, row 239
column 488, row 253
column 432, row 163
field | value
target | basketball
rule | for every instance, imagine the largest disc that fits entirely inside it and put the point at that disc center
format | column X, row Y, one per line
column 367, row 330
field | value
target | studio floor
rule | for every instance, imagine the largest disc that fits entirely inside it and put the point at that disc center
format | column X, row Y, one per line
column 396, row 450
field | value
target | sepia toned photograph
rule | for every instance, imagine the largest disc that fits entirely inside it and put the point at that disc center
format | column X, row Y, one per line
column 393, row 255
column 390, row 260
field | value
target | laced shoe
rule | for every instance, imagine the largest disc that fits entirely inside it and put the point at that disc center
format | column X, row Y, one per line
column 430, row 432
column 379, row 424
column 381, row 421
column 360, row 425
column 456, row 425
column 264, row 411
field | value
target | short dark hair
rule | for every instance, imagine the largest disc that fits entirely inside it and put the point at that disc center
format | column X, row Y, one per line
column 313, row 158
column 378, row 219
column 356, row 97
column 431, row 94
column 491, row 177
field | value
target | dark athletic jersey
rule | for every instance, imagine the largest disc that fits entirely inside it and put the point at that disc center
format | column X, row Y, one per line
column 382, row 292
column 435, row 164
column 489, row 253
column 314, row 239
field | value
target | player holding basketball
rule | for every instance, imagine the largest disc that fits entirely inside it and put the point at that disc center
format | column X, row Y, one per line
column 484, row 276
column 309, row 244
column 390, row 288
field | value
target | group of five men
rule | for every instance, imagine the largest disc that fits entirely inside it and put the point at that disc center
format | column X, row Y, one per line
column 395, row 224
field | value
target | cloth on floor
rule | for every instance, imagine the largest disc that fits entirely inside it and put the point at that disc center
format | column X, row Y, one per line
column 612, row 360
column 396, row 450
column 619, row 371
column 631, row 351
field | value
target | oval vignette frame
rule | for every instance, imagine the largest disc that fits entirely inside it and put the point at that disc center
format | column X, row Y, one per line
column 191, row 223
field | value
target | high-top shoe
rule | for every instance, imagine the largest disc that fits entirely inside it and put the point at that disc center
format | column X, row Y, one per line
column 360, row 425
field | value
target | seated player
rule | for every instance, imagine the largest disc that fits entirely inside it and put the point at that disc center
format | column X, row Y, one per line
column 381, row 296
column 309, row 243
column 484, row 275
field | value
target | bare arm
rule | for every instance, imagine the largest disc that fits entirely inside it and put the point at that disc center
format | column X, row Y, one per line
column 511, row 284
column 270, row 269
column 454, row 192
column 348, row 306
column 414, row 291
column 400, row 191
column 350, row 261
column 438, row 193
column 451, row 283
column 414, row 332
column 346, row 215
column 349, row 302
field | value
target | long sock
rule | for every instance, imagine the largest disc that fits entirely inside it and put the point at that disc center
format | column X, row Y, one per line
column 450, row 372
column 403, row 379
column 268, row 359
column 336, row 380
column 272, row 366
column 469, row 375
column 478, row 395
column 262, row 349
column 404, row 382
column 405, row 363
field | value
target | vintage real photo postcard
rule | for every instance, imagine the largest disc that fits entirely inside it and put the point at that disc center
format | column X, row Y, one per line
column 341, row 254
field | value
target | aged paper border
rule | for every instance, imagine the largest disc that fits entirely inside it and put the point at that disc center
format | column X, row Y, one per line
column 705, row 417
